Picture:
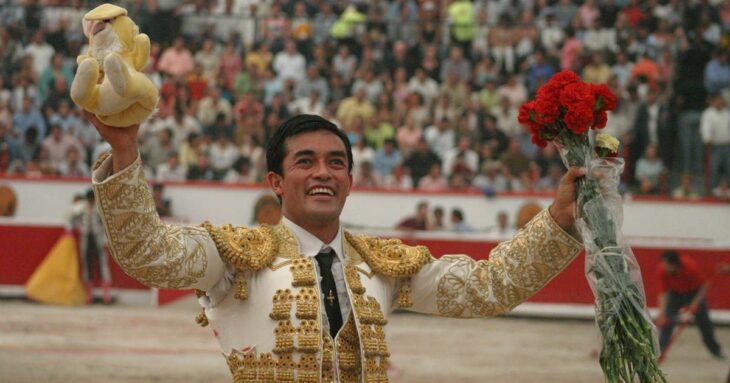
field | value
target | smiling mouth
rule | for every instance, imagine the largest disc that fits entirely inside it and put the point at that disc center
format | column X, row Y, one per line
column 321, row 191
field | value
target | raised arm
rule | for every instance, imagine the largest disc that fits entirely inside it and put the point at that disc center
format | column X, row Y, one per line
column 154, row 253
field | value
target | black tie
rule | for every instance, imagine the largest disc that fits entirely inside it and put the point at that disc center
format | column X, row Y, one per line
column 329, row 289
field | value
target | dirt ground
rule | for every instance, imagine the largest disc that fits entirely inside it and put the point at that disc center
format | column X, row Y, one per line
column 132, row 344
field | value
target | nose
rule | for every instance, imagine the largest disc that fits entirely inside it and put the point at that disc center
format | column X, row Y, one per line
column 322, row 171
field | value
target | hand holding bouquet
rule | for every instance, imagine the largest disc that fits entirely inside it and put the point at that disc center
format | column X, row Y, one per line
column 563, row 112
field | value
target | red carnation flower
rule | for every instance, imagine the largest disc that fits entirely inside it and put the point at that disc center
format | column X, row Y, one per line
column 605, row 99
column 579, row 119
column 600, row 119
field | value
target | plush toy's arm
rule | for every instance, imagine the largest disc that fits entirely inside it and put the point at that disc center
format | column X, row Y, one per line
column 141, row 51
column 81, row 58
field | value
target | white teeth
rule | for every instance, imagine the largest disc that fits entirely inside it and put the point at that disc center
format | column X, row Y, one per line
column 321, row 191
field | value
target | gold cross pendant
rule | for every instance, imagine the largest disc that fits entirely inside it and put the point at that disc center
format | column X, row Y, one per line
column 331, row 298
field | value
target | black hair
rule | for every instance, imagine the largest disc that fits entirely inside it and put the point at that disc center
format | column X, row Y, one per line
column 456, row 212
column 303, row 123
column 671, row 257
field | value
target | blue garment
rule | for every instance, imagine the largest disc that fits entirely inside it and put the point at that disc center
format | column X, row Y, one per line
column 22, row 121
column 383, row 163
column 537, row 75
column 717, row 76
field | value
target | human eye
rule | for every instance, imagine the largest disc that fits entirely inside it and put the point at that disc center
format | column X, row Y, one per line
column 304, row 161
column 337, row 162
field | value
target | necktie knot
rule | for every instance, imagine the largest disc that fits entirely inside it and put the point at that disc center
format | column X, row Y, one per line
column 325, row 258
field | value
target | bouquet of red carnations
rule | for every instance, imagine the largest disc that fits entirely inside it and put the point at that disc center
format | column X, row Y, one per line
column 564, row 112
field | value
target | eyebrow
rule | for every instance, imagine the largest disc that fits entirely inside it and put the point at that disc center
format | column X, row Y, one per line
column 310, row 152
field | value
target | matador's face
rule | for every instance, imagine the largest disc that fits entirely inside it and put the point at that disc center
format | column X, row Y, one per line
column 316, row 180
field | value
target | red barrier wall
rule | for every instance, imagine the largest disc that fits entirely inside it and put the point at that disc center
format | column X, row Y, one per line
column 22, row 248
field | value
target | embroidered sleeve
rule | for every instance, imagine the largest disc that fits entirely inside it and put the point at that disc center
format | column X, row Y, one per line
column 154, row 253
column 458, row 286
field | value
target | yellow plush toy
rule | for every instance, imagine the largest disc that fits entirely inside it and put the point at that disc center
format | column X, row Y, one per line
column 108, row 81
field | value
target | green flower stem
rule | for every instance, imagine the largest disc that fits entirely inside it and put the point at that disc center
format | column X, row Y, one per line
column 628, row 343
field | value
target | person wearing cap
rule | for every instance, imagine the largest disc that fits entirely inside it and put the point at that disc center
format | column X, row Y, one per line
column 306, row 300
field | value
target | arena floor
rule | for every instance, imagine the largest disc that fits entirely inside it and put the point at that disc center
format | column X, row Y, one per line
column 116, row 344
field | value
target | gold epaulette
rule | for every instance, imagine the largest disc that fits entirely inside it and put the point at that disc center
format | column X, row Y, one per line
column 390, row 257
column 103, row 156
column 244, row 248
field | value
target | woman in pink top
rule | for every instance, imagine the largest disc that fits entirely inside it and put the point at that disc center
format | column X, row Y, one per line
column 230, row 63
column 408, row 135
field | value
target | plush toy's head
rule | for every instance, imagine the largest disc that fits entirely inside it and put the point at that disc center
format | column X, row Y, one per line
column 109, row 29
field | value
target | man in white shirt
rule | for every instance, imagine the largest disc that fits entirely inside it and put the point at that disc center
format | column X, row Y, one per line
column 305, row 299
column 289, row 64
column 715, row 131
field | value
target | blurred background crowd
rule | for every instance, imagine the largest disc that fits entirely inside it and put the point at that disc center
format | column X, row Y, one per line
column 428, row 91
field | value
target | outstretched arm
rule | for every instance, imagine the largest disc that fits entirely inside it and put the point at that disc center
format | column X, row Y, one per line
column 459, row 286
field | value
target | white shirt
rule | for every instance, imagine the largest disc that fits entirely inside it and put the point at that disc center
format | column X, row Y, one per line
column 653, row 110
column 310, row 246
column 715, row 126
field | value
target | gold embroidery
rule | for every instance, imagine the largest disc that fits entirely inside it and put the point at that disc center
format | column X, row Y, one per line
column 404, row 293
column 282, row 305
column 309, row 337
column 241, row 286
column 348, row 348
column 353, row 279
column 201, row 318
column 284, row 334
column 303, row 272
column 375, row 372
column 390, row 257
column 242, row 366
column 369, row 342
column 308, row 369
column 327, row 352
column 244, row 248
column 516, row 269
column 150, row 251
column 279, row 265
column 307, row 304
column 285, row 368
column 266, row 367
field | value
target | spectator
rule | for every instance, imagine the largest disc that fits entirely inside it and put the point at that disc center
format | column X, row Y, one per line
column 715, row 130
column 440, row 137
column 176, row 61
column 222, row 155
column 366, row 178
column 461, row 159
column 370, row 84
column 158, row 148
column 230, row 64
column 58, row 143
column 418, row 221
column 386, row 158
column 312, row 82
column 201, row 169
column 290, row 64
column 458, row 223
column 597, row 71
column 398, row 179
column 649, row 170
column 171, row 170
column 41, row 53
column 208, row 60
column 514, row 160
column 212, row 106
column 355, row 106
column 434, row 181
column 491, row 180
column 717, row 72
column 424, row 85
column 73, row 166
column 241, row 172
column 310, row 104
column 421, row 160
column 29, row 116
column 28, row 147
column 685, row 190
column 456, row 65
column 651, row 126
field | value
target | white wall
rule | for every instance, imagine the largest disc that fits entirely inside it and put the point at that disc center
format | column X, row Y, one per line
column 645, row 222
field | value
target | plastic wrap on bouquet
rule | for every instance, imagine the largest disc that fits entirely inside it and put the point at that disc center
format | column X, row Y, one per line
column 630, row 341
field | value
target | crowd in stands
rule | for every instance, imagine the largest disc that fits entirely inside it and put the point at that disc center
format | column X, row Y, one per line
column 426, row 90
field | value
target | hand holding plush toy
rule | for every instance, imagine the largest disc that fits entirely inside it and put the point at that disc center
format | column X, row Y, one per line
column 108, row 81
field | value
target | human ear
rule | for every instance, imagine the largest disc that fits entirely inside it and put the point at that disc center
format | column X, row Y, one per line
column 275, row 183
